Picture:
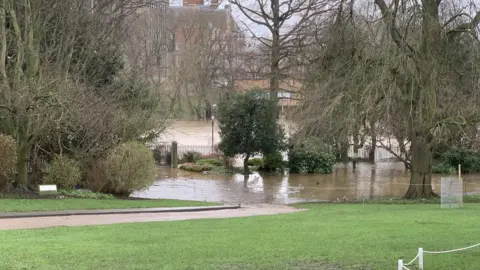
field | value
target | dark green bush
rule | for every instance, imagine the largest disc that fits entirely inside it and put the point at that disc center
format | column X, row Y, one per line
column 273, row 163
column 192, row 167
column 190, row 157
column 468, row 159
column 211, row 161
column 255, row 162
column 443, row 168
column 310, row 161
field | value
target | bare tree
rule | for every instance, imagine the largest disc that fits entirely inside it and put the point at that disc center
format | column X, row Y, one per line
column 205, row 57
column 284, row 20
column 412, row 70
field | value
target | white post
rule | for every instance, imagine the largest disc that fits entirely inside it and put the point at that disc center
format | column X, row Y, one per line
column 400, row 264
column 420, row 258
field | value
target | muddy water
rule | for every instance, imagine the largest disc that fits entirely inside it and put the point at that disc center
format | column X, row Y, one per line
column 199, row 132
column 366, row 181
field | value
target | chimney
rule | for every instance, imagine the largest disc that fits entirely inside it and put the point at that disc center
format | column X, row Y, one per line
column 193, row 2
column 214, row 4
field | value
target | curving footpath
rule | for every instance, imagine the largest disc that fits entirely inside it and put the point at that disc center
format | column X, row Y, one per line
column 114, row 216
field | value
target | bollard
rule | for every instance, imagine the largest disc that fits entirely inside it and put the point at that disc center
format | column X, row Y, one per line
column 174, row 154
column 400, row 264
column 420, row 258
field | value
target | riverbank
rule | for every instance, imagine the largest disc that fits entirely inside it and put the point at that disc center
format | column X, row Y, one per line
column 374, row 237
column 26, row 205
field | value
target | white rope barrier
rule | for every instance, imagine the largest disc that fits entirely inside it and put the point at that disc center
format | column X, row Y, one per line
column 413, row 260
column 452, row 250
column 419, row 256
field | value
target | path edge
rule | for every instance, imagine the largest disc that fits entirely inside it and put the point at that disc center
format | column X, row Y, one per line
column 12, row 215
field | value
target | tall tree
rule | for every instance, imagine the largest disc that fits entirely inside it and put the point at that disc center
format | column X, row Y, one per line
column 428, row 63
column 403, row 71
column 284, row 20
column 207, row 42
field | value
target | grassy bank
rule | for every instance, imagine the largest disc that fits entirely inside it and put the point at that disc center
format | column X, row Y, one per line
column 24, row 205
column 328, row 237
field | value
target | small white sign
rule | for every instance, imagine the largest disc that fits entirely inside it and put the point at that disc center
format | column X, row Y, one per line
column 451, row 192
column 47, row 188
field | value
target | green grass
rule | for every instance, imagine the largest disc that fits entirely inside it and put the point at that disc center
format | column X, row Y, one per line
column 24, row 205
column 328, row 237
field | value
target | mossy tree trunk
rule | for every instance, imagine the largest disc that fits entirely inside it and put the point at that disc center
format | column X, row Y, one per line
column 421, row 169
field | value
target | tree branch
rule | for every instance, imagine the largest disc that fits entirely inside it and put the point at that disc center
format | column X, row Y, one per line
column 248, row 12
column 3, row 36
column 394, row 32
column 466, row 27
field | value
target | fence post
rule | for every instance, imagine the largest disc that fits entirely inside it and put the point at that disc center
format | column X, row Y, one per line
column 400, row 264
column 174, row 154
column 420, row 258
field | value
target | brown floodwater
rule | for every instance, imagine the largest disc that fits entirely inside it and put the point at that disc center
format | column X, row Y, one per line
column 366, row 181
column 200, row 132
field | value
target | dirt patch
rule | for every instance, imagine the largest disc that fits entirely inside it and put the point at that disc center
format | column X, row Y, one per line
column 45, row 222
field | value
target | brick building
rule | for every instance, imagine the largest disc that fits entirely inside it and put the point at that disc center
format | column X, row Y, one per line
column 193, row 19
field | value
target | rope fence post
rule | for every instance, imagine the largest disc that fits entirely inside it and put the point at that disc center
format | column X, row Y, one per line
column 420, row 258
column 421, row 252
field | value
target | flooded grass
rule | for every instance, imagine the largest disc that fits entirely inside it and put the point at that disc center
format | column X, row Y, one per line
column 328, row 236
column 25, row 205
column 380, row 182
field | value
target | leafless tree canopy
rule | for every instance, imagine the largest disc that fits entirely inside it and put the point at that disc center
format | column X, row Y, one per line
column 63, row 82
column 406, row 69
column 286, row 21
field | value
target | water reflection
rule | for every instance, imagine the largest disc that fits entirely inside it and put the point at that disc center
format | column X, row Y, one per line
column 345, row 183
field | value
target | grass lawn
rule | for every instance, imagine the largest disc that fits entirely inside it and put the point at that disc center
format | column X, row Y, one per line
column 328, row 236
column 24, row 205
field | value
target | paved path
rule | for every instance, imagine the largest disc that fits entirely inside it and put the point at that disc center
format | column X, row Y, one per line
column 115, row 211
column 82, row 220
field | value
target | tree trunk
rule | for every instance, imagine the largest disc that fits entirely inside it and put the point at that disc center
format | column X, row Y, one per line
column 246, row 170
column 275, row 53
column 421, row 170
column 356, row 146
column 373, row 135
column 23, row 154
column 344, row 152
column 404, row 153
